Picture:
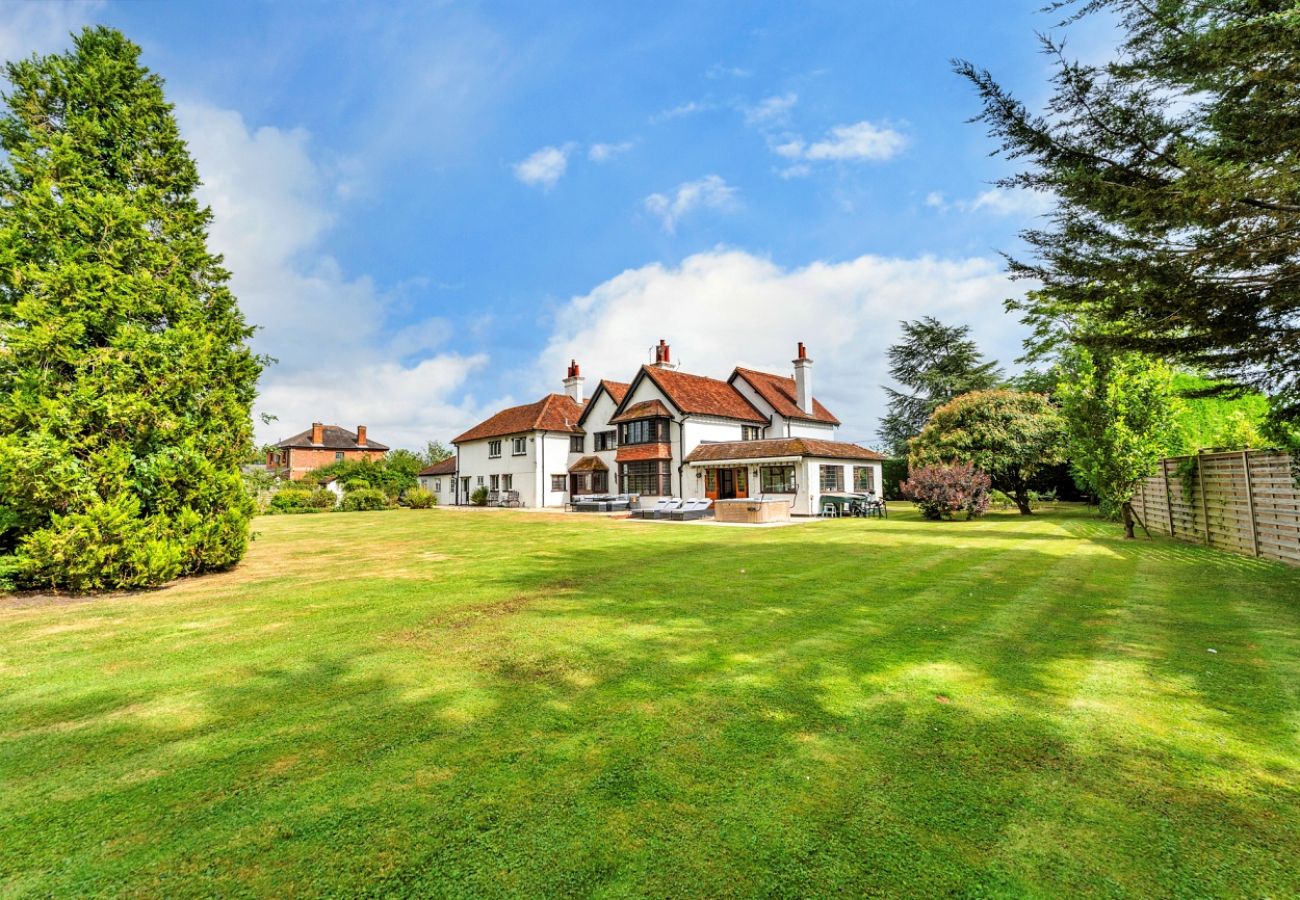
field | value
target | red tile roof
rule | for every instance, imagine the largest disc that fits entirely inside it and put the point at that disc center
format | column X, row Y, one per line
column 639, row 452
column 589, row 464
column 554, row 412
column 333, row 437
column 644, row 410
column 779, row 392
column 444, row 467
column 772, row 448
column 617, row 389
column 703, row 396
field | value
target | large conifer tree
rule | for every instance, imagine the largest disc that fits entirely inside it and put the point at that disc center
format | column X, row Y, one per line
column 126, row 381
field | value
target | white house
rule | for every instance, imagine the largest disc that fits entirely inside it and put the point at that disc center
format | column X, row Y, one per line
column 439, row 479
column 668, row 433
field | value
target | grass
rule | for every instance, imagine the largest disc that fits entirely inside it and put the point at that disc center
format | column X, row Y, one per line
column 502, row 703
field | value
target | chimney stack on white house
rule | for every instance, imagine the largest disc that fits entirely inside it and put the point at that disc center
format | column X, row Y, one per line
column 361, row 435
column 573, row 383
column 663, row 356
column 803, row 380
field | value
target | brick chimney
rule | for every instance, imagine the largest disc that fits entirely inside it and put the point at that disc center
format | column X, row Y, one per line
column 663, row 356
column 803, row 380
column 317, row 433
column 573, row 382
column 361, row 435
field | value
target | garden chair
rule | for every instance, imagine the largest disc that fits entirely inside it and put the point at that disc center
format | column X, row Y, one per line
column 830, row 510
column 512, row 499
column 494, row 498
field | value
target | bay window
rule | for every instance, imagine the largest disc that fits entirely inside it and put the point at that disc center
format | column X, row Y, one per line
column 643, row 431
column 647, row 477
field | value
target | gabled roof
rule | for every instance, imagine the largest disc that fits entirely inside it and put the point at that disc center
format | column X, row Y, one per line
column 554, row 412
column 644, row 410
column 779, row 392
column 333, row 437
column 772, row 448
column 589, row 464
column 617, row 390
column 443, row 467
column 698, row 395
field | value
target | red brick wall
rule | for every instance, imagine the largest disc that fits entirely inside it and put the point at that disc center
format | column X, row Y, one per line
column 302, row 461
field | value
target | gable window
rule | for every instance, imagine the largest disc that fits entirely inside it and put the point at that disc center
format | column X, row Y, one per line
column 518, row 446
column 777, row 479
column 577, row 443
column 605, row 440
column 749, row 432
column 832, row 478
column 647, row 477
column 643, row 431
column 494, row 449
column 557, row 483
column 864, row 479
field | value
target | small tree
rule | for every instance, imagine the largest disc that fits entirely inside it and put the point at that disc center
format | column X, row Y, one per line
column 1120, row 412
column 1009, row 435
column 941, row 491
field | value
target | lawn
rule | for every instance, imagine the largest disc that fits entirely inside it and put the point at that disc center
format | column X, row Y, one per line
column 505, row 703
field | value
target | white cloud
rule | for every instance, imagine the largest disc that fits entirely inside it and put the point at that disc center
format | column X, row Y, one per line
column 995, row 201
column 689, row 108
column 709, row 192
column 338, row 359
column 600, row 153
column 27, row 28
column 718, row 70
column 544, row 167
column 734, row 308
column 863, row 141
column 771, row 110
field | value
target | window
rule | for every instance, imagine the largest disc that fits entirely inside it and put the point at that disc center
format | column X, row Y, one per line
column 494, row 450
column 557, row 483
column 605, row 440
column 749, row 432
column 480, row 481
column 577, row 443
column 864, row 479
column 649, row 477
column 777, row 479
column 437, row 485
column 832, row 478
column 507, row 482
column 644, row 431
column 518, row 446
column 599, row 482
column 495, row 483
column 338, row 454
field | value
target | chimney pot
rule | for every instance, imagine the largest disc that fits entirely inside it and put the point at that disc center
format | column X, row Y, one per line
column 573, row 382
column 361, row 435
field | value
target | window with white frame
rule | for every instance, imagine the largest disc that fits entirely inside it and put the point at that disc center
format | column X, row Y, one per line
column 494, row 449
column 832, row 478
column 518, row 446
column 437, row 485
column 480, row 481
column 777, row 479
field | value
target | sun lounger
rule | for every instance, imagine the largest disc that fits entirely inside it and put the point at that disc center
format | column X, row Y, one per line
column 649, row 511
column 702, row 508
column 667, row 510
column 685, row 511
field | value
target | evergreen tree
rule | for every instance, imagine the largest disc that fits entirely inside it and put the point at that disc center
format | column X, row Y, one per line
column 936, row 362
column 1176, row 167
column 126, row 382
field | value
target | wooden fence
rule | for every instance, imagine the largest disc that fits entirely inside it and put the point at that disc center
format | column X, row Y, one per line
column 1244, row 501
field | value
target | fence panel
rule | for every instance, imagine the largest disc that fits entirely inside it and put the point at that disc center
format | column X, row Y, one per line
column 1241, row 501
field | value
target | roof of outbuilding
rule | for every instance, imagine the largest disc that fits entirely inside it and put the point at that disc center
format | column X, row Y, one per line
column 699, row 395
column 442, row 467
column 333, row 437
column 772, row 448
column 779, row 392
column 644, row 410
column 554, row 412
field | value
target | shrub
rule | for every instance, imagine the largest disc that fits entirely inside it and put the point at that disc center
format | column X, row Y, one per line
column 942, row 490
column 364, row 500
column 419, row 498
column 479, row 497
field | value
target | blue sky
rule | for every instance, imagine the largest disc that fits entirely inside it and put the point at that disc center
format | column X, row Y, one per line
column 429, row 207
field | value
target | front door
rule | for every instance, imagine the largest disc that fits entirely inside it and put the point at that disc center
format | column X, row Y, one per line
column 726, row 484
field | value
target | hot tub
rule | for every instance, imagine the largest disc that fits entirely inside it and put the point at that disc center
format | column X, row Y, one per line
column 752, row 512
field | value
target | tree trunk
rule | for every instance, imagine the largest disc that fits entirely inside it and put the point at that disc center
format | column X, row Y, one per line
column 1022, row 502
column 1126, row 509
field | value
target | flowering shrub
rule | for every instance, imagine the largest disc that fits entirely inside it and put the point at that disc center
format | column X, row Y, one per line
column 942, row 490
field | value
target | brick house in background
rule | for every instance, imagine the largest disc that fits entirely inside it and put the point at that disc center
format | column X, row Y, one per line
column 319, row 446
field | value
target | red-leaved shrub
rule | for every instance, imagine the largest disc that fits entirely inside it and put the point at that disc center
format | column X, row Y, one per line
column 941, row 491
